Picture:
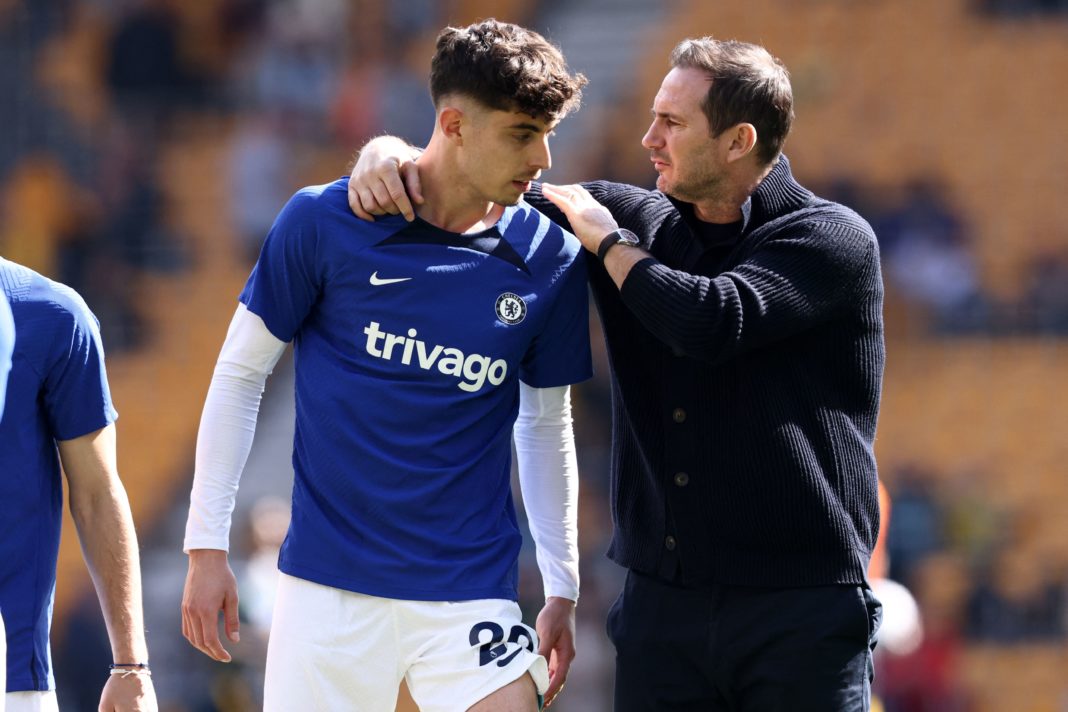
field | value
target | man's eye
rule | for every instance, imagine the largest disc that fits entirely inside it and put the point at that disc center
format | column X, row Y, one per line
column 522, row 138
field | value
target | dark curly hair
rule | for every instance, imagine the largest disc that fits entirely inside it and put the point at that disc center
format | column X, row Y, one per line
column 504, row 67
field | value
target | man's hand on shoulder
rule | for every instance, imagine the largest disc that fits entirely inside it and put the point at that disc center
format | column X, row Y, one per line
column 210, row 587
column 556, row 635
column 590, row 220
column 384, row 177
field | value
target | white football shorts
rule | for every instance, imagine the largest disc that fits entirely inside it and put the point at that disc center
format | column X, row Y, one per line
column 332, row 649
column 31, row 701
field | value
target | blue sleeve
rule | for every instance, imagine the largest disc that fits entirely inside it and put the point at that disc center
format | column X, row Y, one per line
column 286, row 281
column 7, row 346
column 560, row 355
column 76, row 393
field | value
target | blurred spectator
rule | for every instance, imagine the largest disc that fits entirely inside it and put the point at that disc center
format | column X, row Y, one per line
column 1021, row 8
column 917, row 530
column 1015, row 600
column 973, row 526
column 1045, row 303
column 145, row 70
column 260, row 169
column 405, row 105
column 927, row 679
column 294, row 68
column 927, row 256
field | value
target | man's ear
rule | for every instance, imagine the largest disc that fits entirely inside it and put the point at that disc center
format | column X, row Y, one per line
column 452, row 124
column 743, row 139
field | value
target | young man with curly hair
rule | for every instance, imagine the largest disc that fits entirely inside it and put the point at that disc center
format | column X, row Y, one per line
column 418, row 346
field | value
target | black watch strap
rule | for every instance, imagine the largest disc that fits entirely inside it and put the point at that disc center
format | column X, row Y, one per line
column 622, row 236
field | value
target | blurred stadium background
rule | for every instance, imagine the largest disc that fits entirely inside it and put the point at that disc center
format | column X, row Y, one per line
column 146, row 145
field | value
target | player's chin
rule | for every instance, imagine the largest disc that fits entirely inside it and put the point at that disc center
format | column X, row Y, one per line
column 509, row 198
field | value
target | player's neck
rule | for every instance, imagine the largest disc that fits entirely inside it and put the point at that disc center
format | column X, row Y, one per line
column 447, row 201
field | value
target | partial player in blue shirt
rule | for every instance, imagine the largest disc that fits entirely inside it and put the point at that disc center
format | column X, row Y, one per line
column 7, row 345
column 417, row 347
column 59, row 410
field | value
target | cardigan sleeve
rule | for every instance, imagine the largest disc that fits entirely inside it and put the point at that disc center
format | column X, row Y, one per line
column 803, row 275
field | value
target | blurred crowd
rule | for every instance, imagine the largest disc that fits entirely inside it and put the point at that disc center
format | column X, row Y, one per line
column 96, row 94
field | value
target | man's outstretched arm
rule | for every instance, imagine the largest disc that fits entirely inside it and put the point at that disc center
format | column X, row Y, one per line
column 105, row 526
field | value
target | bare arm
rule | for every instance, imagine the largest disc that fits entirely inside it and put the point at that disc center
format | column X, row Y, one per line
column 105, row 526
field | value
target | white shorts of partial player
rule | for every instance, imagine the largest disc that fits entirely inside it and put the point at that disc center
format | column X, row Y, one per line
column 332, row 649
column 30, row 702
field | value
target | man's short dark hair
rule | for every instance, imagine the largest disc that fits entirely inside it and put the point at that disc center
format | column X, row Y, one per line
column 748, row 86
column 504, row 67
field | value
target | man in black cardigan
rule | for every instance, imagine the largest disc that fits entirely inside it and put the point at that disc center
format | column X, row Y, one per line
column 743, row 319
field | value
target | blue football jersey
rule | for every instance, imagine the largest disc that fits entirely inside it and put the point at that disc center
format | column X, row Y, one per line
column 409, row 345
column 7, row 345
column 57, row 391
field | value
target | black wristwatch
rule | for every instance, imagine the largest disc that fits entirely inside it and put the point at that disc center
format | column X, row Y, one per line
column 622, row 236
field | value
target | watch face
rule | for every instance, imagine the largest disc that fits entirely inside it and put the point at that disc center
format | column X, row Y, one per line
column 617, row 237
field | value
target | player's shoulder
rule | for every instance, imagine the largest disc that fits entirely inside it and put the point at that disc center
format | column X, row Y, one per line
column 537, row 234
column 30, row 291
column 325, row 208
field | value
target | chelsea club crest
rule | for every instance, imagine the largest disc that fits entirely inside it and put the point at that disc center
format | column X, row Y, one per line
column 511, row 309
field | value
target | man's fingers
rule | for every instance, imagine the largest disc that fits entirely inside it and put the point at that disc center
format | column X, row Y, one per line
column 370, row 202
column 230, row 617
column 556, row 196
column 395, row 196
column 209, row 638
column 558, row 677
column 414, row 187
column 356, row 206
column 200, row 626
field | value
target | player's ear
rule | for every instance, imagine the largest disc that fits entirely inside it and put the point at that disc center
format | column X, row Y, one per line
column 451, row 122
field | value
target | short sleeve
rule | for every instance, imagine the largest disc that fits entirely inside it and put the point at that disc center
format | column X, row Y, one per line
column 76, row 393
column 285, row 283
column 560, row 355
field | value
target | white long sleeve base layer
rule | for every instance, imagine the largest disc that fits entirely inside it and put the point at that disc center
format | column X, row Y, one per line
column 545, row 447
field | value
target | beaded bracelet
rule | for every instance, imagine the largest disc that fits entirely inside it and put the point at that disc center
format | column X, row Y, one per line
column 126, row 669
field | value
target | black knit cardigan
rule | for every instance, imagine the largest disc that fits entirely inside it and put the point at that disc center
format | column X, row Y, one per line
column 745, row 389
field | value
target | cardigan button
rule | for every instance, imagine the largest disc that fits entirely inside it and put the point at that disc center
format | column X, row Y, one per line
column 678, row 415
column 681, row 479
column 669, row 543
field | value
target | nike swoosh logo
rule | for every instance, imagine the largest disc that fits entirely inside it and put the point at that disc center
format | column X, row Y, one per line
column 378, row 281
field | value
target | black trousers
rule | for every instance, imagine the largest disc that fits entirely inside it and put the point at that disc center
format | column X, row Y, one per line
column 742, row 649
